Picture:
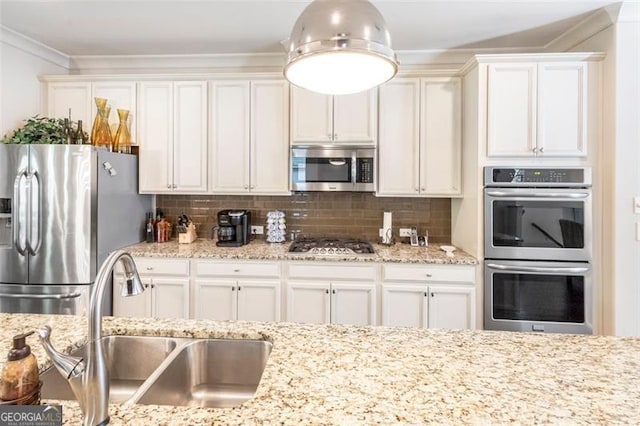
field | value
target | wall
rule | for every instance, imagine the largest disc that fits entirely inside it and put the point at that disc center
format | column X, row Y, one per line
column 619, row 170
column 357, row 215
column 21, row 62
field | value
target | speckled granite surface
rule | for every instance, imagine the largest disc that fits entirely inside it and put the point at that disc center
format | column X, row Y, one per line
column 203, row 248
column 330, row 374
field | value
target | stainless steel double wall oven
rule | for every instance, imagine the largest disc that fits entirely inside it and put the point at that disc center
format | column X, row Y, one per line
column 538, row 249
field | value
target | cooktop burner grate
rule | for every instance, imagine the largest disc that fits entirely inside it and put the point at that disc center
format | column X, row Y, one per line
column 331, row 246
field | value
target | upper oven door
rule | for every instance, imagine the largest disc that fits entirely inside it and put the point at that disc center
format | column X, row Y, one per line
column 537, row 224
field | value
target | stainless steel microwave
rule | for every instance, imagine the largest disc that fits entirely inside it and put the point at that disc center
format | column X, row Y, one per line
column 333, row 169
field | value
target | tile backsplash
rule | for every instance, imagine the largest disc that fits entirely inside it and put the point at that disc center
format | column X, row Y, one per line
column 342, row 214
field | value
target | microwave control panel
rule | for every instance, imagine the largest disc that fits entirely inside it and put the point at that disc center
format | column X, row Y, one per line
column 365, row 170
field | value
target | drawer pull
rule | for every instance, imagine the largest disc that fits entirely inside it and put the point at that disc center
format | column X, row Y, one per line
column 429, row 275
column 149, row 268
column 236, row 270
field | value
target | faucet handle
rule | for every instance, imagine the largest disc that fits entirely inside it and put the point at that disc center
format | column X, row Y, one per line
column 69, row 366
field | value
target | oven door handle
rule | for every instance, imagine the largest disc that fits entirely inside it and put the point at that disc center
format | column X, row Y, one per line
column 538, row 194
column 536, row 269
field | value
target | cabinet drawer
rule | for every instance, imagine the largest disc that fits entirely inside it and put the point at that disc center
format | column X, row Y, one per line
column 148, row 266
column 237, row 268
column 333, row 272
column 428, row 273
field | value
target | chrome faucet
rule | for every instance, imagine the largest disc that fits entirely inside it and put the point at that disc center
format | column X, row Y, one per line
column 88, row 376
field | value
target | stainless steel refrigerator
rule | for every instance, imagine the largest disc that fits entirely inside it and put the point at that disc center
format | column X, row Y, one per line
column 63, row 209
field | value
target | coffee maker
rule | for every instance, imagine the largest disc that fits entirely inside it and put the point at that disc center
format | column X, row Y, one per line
column 233, row 228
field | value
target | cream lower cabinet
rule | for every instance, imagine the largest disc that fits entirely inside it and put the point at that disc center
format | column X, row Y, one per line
column 237, row 290
column 337, row 294
column 166, row 294
column 429, row 296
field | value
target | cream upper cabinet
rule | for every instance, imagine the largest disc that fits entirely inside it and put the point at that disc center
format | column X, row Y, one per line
column 537, row 109
column 399, row 138
column 317, row 118
column 249, row 123
column 419, row 151
column 119, row 95
column 74, row 96
column 173, row 137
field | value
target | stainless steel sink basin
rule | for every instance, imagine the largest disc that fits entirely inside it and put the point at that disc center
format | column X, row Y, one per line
column 174, row 371
column 130, row 361
column 210, row 373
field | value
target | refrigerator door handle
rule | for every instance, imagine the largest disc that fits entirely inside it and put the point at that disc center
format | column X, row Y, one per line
column 40, row 296
column 35, row 216
column 19, row 208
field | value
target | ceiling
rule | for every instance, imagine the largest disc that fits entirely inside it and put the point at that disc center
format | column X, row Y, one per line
column 188, row 27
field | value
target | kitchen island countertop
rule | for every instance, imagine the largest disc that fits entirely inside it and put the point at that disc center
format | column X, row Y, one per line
column 332, row 374
column 261, row 250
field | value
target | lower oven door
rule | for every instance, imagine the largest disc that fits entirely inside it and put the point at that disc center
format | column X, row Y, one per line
column 538, row 296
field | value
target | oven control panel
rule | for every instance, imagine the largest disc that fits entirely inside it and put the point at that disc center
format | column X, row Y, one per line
column 530, row 176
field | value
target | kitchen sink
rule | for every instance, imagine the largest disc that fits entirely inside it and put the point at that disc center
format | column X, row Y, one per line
column 174, row 371
column 130, row 362
column 210, row 373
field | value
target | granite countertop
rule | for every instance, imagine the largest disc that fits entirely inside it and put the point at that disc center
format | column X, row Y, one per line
column 261, row 250
column 332, row 374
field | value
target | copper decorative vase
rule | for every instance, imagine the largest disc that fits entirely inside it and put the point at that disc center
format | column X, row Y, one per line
column 122, row 139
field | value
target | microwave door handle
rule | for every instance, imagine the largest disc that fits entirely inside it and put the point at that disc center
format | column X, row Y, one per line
column 541, row 269
column 354, row 169
column 17, row 213
column 537, row 194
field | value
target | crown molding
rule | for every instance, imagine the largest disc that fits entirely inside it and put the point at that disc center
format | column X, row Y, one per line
column 33, row 47
column 587, row 28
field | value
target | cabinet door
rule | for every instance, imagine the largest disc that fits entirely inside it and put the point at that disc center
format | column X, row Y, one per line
column 354, row 117
column 440, row 137
column 138, row 306
column 75, row 96
column 170, row 297
column 229, row 155
column 259, row 300
column 511, row 109
column 215, row 299
column 451, row 307
column 308, row 302
column 119, row 95
column 311, row 116
column 155, row 137
column 398, row 149
column 353, row 304
column 190, row 136
column 562, row 108
column 404, row 305
column 269, row 137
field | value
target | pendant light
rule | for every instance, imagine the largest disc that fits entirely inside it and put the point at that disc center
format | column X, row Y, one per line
column 339, row 47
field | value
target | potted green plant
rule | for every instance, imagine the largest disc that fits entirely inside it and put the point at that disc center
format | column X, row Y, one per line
column 38, row 130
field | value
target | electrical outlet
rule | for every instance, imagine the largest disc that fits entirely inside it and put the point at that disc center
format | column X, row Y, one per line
column 405, row 232
column 257, row 230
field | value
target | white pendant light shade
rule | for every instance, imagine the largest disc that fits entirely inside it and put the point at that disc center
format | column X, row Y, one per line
column 339, row 47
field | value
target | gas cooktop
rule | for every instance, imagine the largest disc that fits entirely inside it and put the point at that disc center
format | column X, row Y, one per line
column 331, row 246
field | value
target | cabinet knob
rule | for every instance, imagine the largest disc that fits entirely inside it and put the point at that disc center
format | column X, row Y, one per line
column 239, row 288
column 535, row 150
column 541, row 150
column 236, row 270
column 429, row 275
column 233, row 288
column 246, row 187
column 432, row 294
column 252, row 187
column 335, row 136
column 175, row 186
column 333, row 291
column 326, row 291
column 149, row 268
column 146, row 286
column 153, row 286
column 168, row 186
column 425, row 294
column 329, row 136
column 422, row 189
column 416, row 189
